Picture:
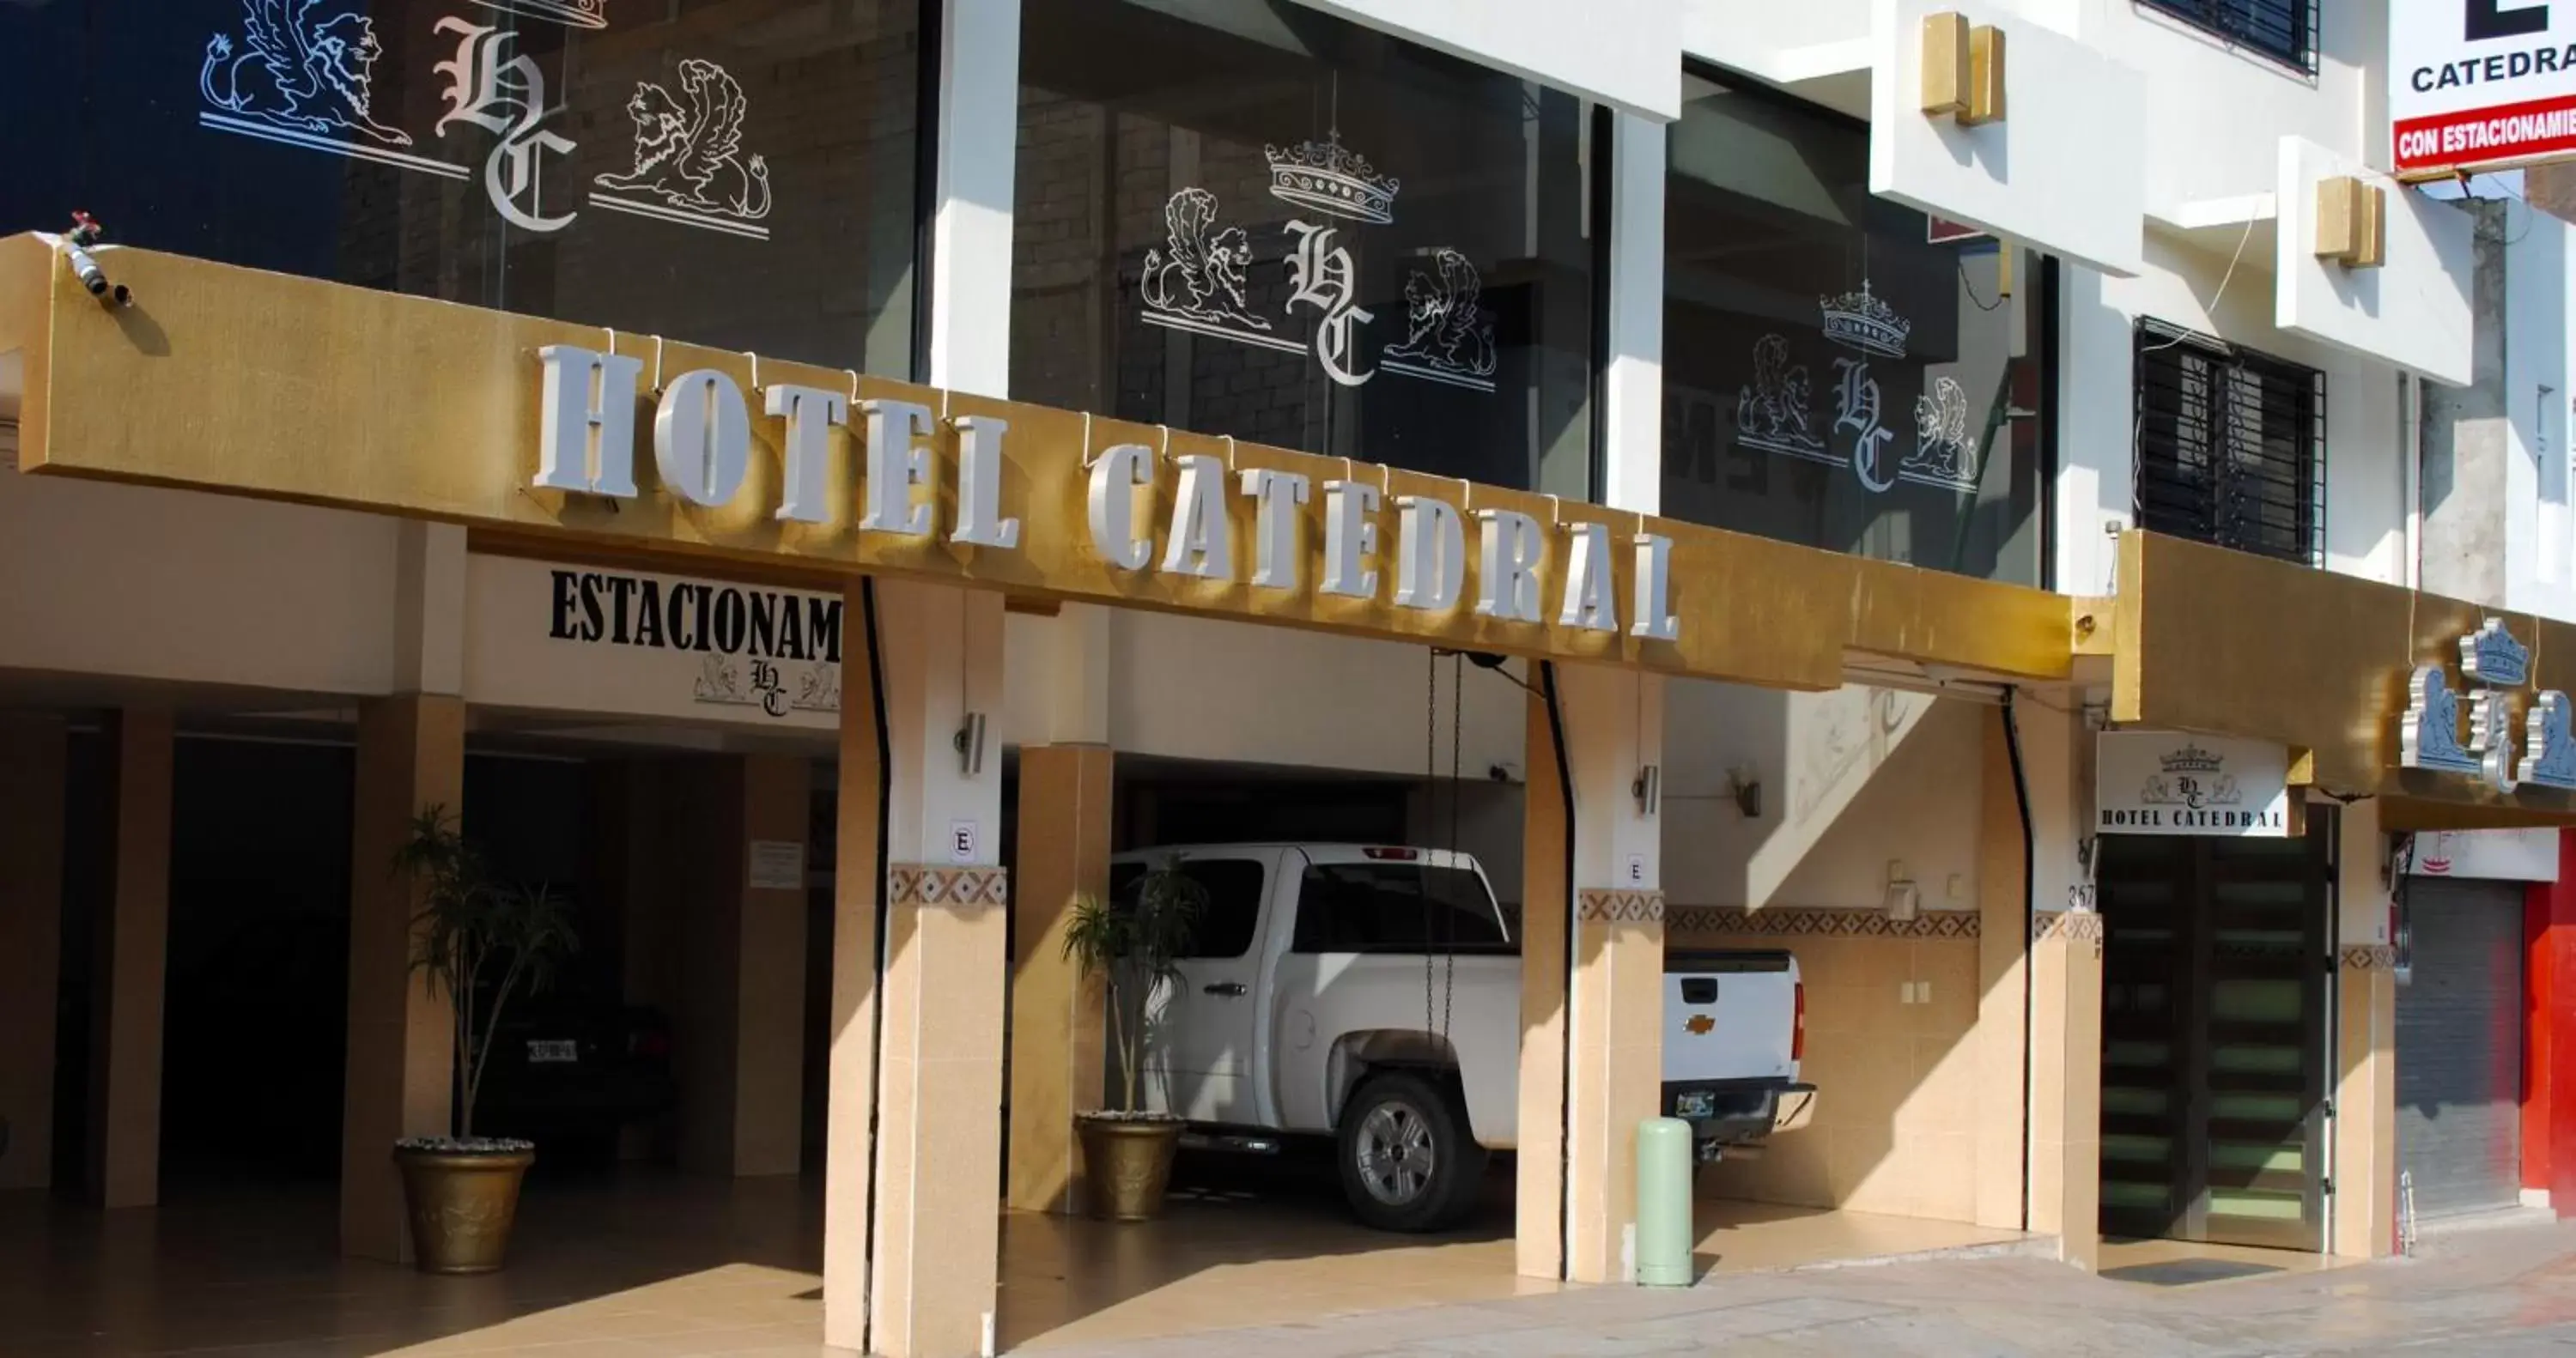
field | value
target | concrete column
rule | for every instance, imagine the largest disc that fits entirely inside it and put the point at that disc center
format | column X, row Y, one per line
column 124, row 1164
column 31, row 920
column 1632, row 382
column 402, row 1040
column 741, row 1055
column 2003, row 957
column 2065, row 961
column 2364, row 1079
column 936, row 657
column 1547, row 907
column 1611, row 1040
column 1057, row 1043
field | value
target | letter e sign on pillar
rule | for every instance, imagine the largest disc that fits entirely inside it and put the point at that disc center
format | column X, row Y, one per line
column 961, row 841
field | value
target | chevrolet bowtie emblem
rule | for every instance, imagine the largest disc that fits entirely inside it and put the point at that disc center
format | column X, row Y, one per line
column 1699, row 1024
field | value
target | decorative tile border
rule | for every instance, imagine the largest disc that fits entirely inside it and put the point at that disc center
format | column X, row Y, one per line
column 1619, row 907
column 1802, row 923
column 2370, row 957
column 954, row 888
column 2077, row 927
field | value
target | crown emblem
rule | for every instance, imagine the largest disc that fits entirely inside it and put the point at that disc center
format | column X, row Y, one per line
column 2191, row 759
column 1331, row 178
column 575, row 13
column 1859, row 320
column 2490, row 655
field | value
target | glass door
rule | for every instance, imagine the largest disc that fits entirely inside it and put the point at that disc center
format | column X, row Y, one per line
column 2213, row 1037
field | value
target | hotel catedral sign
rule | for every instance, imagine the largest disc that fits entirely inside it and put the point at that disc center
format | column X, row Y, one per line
column 701, row 446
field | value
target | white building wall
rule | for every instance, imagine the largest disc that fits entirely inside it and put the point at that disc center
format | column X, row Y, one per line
column 2540, row 531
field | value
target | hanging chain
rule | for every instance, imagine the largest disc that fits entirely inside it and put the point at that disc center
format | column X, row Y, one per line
column 1430, row 790
column 1449, row 955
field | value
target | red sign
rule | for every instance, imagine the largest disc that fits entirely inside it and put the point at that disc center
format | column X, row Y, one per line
column 2487, row 136
column 1943, row 231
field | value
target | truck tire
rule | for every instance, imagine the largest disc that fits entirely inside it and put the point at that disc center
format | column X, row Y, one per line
column 1407, row 1161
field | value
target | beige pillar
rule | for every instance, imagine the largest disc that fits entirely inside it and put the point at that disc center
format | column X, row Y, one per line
column 1546, row 904
column 1057, row 1043
column 2364, row 1078
column 2003, row 958
column 402, row 1041
column 741, row 1056
column 31, row 914
column 850, row 1079
column 2065, row 961
column 931, row 1278
column 1612, row 1044
column 124, row 1164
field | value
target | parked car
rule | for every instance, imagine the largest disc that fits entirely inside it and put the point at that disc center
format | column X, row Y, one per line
column 568, row 1072
column 1372, row 994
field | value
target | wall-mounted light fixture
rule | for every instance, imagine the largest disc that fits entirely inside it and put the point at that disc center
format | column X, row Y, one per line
column 1649, row 789
column 970, row 745
column 1745, row 785
column 1904, row 899
column 2352, row 222
column 1963, row 69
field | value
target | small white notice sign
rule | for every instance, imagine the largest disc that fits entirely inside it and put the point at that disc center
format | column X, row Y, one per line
column 2175, row 783
column 777, row 865
column 961, row 841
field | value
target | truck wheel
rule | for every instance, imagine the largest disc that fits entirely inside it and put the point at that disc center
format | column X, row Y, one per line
column 1407, row 1161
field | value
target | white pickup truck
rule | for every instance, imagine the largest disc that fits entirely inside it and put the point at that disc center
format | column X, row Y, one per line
column 1372, row 994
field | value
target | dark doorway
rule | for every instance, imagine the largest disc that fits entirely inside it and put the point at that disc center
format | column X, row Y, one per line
column 2214, row 999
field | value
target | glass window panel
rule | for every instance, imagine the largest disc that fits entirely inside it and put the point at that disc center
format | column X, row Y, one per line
column 2133, row 1193
column 2257, row 1060
column 2257, row 1107
column 1230, row 918
column 1247, row 217
column 1835, row 373
column 2246, row 1202
column 2118, row 1099
column 2149, row 1148
column 2137, row 1053
column 1394, row 907
column 2264, row 1159
column 737, row 173
column 2243, row 1001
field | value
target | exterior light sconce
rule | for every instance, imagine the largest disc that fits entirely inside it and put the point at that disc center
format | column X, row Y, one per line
column 2352, row 222
column 1904, row 898
column 1963, row 69
column 1649, row 789
column 1745, row 786
column 970, row 745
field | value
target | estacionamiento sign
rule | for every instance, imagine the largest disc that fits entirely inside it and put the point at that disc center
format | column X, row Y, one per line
column 2480, row 84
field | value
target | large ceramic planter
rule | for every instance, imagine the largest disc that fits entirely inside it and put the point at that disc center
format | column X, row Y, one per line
column 461, row 1200
column 1127, row 1162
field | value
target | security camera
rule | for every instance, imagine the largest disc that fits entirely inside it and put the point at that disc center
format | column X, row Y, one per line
column 85, row 233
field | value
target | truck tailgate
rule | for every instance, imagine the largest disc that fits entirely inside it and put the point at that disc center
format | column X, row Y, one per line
column 1730, row 1015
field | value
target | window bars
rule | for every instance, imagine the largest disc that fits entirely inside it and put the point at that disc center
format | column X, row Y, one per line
column 2283, row 30
column 2230, row 446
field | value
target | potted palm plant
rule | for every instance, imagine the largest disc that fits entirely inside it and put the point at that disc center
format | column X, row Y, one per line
column 1131, row 943
column 479, row 943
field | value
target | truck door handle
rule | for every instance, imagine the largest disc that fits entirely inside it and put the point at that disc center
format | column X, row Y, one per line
column 1222, row 988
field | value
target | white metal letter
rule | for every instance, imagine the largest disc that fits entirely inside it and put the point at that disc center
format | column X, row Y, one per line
column 572, row 411
column 896, row 463
column 1587, row 581
column 1275, row 497
column 1114, row 478
column 1202, row 541
column 1431, row 554
column 1507, row 577
column 1349, row 535
column 811, row 413
column 702, row 437
column 979, row 484
column 1654, row 620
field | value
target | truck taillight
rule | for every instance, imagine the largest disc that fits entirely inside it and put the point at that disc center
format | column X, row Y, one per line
column 1798, row 1024
column 1392, row 855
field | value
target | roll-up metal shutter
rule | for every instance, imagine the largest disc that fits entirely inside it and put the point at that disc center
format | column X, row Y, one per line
column 2459, row 1047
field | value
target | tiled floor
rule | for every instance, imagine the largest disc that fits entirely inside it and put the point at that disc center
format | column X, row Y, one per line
column 647, row 1265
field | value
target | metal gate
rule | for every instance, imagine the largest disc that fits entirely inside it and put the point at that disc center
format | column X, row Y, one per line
column 2459, row 1047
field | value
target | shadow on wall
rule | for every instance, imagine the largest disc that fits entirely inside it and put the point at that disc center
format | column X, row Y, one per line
column 1859, row 787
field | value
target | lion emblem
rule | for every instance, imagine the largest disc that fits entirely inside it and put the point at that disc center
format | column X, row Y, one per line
column 1444, row 326
column 303, row 71
column 1941, row 447
column 1772, row 412
column 1200, row 272
column 691, row 156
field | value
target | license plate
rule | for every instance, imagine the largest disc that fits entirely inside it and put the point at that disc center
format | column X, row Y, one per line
column 541, row 1051
column 1695, row 1104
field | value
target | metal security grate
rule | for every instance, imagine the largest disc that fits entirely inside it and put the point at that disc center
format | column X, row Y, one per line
column 2284, row 30
column 2231, row 446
